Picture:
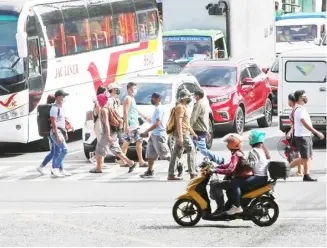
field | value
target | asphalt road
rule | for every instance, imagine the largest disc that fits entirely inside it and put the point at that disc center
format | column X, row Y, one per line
column 116, row 209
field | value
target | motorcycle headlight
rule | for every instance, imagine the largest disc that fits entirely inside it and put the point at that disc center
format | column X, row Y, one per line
column 222, row 98
column 15, row 113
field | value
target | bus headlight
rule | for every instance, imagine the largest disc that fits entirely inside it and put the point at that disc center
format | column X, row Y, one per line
column 15, row 113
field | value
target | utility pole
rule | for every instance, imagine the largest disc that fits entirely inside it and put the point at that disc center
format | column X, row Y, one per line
column 324, row 6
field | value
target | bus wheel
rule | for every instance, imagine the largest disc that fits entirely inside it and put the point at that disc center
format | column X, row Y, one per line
column 44, row 144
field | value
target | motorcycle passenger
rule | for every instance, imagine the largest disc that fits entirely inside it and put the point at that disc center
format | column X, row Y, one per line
column 234, row 144
column 258, row 161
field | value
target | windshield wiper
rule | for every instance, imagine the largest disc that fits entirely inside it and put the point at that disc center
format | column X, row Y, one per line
column 209, row 85
column 15, row 63
column 4, row 89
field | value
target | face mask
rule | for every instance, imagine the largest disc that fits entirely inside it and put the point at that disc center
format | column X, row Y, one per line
column 135, row 92
column 153, row 102
column 305, row 100
column 188, row 101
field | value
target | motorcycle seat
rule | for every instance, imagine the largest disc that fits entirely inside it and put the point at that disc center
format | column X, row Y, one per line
column 252, row 187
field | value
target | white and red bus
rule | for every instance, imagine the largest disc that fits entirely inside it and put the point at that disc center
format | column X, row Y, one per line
column 72, row 45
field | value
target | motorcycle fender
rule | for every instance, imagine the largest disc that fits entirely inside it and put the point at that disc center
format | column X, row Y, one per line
column 258, row 192
column 184, row 196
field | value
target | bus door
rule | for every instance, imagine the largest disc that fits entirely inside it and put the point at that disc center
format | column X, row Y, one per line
column 220, row 47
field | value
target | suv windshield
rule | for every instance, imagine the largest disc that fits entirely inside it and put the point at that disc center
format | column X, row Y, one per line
column 145, row 91
column 294, row 33
column 275, row 66
column 214, row 76
column 186, row 47
column 11, row 66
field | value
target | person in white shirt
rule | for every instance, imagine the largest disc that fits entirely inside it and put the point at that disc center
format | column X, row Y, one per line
column 303, row 131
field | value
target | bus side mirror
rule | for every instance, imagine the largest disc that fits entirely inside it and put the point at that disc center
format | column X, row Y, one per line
column 21, row 38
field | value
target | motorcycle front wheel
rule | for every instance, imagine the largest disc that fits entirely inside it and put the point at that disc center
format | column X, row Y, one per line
column 261, row 214
column 186, row 212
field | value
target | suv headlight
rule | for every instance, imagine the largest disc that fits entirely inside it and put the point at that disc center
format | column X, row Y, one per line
column 15, row 113
column 222, row 98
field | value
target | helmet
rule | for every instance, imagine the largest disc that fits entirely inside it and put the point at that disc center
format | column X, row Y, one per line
column 233, row 140
column 256, row 137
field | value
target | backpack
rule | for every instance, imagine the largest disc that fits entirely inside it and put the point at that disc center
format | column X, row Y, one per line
column 114, row 119
column 171, row 122
column 43, row 119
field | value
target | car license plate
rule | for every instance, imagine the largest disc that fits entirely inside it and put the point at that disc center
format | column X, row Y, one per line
column 318, row 120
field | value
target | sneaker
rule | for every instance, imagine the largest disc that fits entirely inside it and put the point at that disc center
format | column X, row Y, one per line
column 40, row 170
column 234, row 210
column 307, row 178
column 65, row 173
column 56, row 173
column 148, row 174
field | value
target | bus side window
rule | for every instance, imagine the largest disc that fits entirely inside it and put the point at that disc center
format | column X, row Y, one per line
column 147, row 19
column 52, row 20
column 101, row 26
column 124, row 22
column 220, row 48
column 76, row 27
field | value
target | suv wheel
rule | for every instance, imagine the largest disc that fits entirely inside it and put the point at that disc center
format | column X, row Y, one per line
column 209, row 138
column 266, row 121
column 238, row 126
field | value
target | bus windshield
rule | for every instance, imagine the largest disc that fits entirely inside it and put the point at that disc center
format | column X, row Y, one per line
column 294, row 33
column 181, row 48
column 11, row 65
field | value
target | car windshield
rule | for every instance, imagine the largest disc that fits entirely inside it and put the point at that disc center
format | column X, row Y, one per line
column 294, row 33
column 213, row 76
column 11, row 65
column 275, row 66
column 145, row 91
column 185, row 48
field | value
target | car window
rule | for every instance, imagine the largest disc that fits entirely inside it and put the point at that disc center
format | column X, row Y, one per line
column 145, row 91
column 245, row 74
column 213, row 76
column 189, row 86
column 254, row 71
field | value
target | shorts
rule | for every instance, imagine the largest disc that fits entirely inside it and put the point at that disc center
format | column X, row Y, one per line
column 157, row 147
column 133, row 136
column 104, row 147
column 304, row 146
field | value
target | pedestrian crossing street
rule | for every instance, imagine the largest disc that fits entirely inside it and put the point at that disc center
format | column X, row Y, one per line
column 112, row 173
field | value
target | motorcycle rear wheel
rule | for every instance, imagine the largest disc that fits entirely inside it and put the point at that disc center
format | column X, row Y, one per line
column 191, row 208
column 264, row 204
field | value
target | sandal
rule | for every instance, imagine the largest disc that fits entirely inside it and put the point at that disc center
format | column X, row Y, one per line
column 94, row 170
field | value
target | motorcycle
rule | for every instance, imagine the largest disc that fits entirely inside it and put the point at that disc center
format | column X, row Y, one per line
column 194, row 204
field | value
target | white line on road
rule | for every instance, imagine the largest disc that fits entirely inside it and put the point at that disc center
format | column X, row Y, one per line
column 37, row 161
column 2, row 168
column 78, row 173
column 18, row 174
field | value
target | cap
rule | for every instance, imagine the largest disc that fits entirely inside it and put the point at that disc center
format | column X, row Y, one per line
column 184, row 94
column 256, row 137
column 114, row 86
column 61, row 93
column 156, row 95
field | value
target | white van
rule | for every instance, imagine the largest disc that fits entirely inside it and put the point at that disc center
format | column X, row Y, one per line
column 304, row 69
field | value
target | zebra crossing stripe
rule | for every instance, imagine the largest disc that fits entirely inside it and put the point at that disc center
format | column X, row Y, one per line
column 48, row 174
column 2, row 168
column 78, row 173
column 18, row 174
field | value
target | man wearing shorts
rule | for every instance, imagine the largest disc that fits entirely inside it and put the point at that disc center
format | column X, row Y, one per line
column 131, row 123
column 302, row 133
column 157, row 144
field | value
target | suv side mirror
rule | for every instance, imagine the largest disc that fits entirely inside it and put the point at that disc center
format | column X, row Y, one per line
column 317, row 41
column 265, row 70
column 247, row 81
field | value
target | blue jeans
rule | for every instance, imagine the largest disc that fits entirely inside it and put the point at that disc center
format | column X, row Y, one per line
column 237, row 183
column 201, row 145
column 61, row 151
column 50, row 155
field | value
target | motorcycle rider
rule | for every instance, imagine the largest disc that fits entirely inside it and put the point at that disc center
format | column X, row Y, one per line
column 258, row 161
column 234, row 144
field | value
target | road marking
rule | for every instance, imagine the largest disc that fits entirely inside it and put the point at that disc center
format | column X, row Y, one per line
column 48, row 174
column 2, row 168
column 37, row 161
column 18, row 174
column 78, row 173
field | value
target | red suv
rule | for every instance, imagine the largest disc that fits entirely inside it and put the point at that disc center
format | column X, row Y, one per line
column 238, row 92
